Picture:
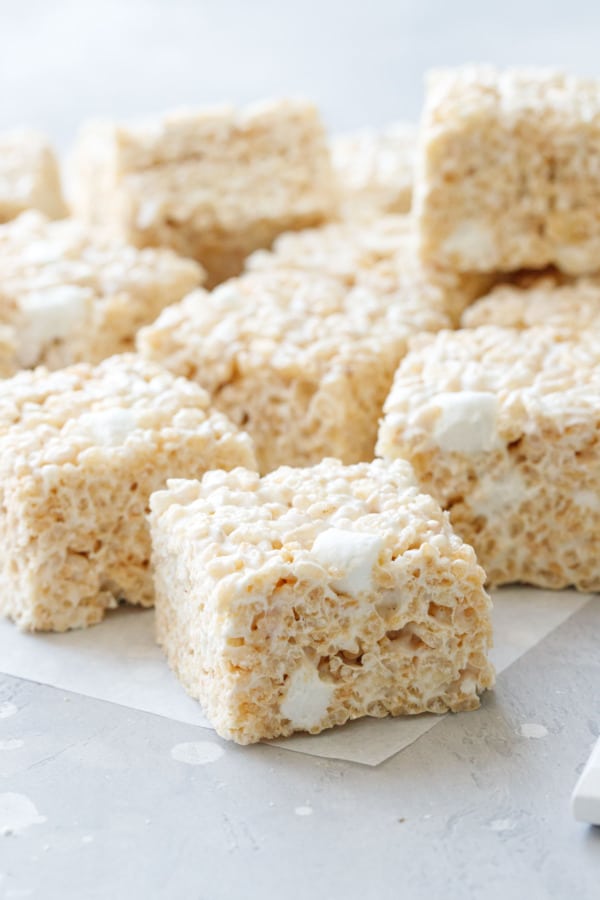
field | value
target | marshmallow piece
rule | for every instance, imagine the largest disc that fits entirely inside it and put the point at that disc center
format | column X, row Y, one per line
column 467, row 423
column 351, row 553
column 471, row 240
column 307, row 698
column 108, row 427
column 50, row 315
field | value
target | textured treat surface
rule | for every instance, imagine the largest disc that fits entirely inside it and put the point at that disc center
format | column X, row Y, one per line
column 29, row 176
column 508, row 170
column 502, row 428
column 73, row 294
column 381, row 255
column 313, row 596
column 8, row 351
column 300, row 360
column 572, row 305
column 81, row 450
column 213, row 185
column 375, row 170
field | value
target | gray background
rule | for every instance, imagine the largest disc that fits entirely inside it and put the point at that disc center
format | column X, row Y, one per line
column 362, row 61
column 473, row 809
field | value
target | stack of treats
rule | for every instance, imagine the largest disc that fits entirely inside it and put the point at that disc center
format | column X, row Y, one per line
column 309, row 397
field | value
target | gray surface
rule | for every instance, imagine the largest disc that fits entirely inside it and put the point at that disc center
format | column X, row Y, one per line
column 472, row 810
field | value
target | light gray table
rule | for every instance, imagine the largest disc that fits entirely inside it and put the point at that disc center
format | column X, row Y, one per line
column 473, row 809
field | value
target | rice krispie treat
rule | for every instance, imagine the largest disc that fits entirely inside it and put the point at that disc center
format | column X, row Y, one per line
column 503, row 428
column 299, row 360
column 74, row 295
column 508, row 171
column 29, row 176
column 571, row 306
column 381, row 255
column 214, row 184
column 81, row 450
column 375, row 170
column 313, row 596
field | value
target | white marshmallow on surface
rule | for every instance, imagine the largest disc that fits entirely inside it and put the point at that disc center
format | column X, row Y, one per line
column 471, row 240
column 351, row 554
column 467, row 421
column 307, row 698
column 49, row 315
column 108, row 427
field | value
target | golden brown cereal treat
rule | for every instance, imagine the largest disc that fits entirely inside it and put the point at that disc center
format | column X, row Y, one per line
column 313, row 596
column 298, row 359
column 29, row 176
column 73, row 294
column 81, row 450
column 375, row 170
column 503, row 428
column 508, row 171
column 214, row 184
column 381, row 255
column 567, row 306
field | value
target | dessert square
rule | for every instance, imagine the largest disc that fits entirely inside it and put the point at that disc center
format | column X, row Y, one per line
column 299, row 360
column 508, row 171
column 81, row 450
column 312, row 596
column 502, row 427
column 73, row 294
column 213, row 184
column 567, row 305
column 381, row 255
column 375, row 170
column 29, row 175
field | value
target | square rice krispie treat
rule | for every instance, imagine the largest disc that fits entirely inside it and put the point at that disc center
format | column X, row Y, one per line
column 375, row 170
column 81, row 450
column 214, row 184
column 572, row 305
column 73, row 294
column 299, row 360
column 503, row 428
column 508, row 170
column 29, row 176
column 313, row 596
column 381, row 255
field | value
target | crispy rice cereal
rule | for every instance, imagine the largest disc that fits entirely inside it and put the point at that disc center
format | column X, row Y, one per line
column 81, row 450
column 502, row 428
column 313, row 596
column 298, row 359
column 214, row 184
column 72, row 295
column 508, row 171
